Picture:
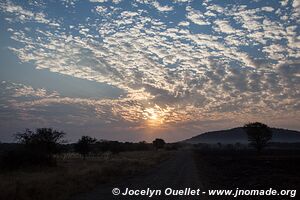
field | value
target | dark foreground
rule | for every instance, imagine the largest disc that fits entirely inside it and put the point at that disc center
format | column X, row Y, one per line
column 203, row 169
column 212, row 170
column 179, row 172
column 244, row 169
column 73, row 175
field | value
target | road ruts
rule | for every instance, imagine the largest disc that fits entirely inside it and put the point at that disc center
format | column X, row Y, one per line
column 178, row 172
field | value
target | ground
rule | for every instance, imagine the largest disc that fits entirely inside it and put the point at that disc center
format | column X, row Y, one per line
column 204, row 169
column 244, row 169
column 178, row 172
column 73, row 175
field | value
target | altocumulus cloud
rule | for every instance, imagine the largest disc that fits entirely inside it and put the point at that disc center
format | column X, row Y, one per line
column 194, row 63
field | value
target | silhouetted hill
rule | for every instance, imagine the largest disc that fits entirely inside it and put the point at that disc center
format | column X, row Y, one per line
column 234, row 135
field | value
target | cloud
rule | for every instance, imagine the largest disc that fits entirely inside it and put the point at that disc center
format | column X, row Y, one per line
column 21, row 90
column 182, row 1
column 242, row 62
column 98, row 1
column 162, row 8
column 23, row 15
column 184, row 23
column 284, row 2
column 296, row 4
column 224, row 27
column 69, row 3
column 196, row 16
column 267, row 9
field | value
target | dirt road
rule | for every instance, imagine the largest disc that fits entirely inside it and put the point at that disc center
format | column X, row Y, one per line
column 179, row 172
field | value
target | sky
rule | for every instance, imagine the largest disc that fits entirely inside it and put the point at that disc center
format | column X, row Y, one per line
column 139, row 70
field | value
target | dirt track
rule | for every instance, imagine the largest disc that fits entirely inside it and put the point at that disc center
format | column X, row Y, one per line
column 179, row 172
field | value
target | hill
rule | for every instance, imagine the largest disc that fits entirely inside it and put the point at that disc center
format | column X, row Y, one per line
column 235, row 135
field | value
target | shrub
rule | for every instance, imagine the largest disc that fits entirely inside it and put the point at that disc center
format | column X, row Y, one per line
column 83, row 146
column 35, row 148
column 159, row 143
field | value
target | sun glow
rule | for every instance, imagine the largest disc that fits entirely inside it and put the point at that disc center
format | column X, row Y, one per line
column 154, row 116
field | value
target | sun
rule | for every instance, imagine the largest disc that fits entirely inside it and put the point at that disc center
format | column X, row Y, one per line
column 154, row 115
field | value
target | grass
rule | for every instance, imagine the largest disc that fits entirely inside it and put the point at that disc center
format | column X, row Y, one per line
column 73, row 175
column 244, row 169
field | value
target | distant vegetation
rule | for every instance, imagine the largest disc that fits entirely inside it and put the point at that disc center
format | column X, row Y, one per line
column 36, row 148
column 87, row 146
column 43, row 146
column 41, row 165
column 83, row 146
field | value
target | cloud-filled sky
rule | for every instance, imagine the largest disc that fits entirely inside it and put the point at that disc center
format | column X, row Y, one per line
column 137, row 70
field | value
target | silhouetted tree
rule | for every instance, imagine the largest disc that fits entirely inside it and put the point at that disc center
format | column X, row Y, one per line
column 219, row 145
column 258, row 135
column 83, row 146
column 39, row 146
column 158, row 143
column 237, row 145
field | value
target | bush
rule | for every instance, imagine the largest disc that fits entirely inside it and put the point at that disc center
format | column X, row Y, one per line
column 83, row 146
column 159, row 143
column 35, row 148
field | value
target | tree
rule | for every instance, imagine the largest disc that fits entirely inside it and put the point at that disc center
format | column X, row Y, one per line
column 258, row 135
column 219, row 145
column 158, row 143
column 39, row 146
column 237, row 145
column 83, row 146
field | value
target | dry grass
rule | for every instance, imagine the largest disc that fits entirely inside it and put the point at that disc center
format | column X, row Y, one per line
column 73, row 175
column 277, row 169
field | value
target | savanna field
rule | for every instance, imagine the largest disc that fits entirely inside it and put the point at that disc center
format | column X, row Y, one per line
column 73, row 175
